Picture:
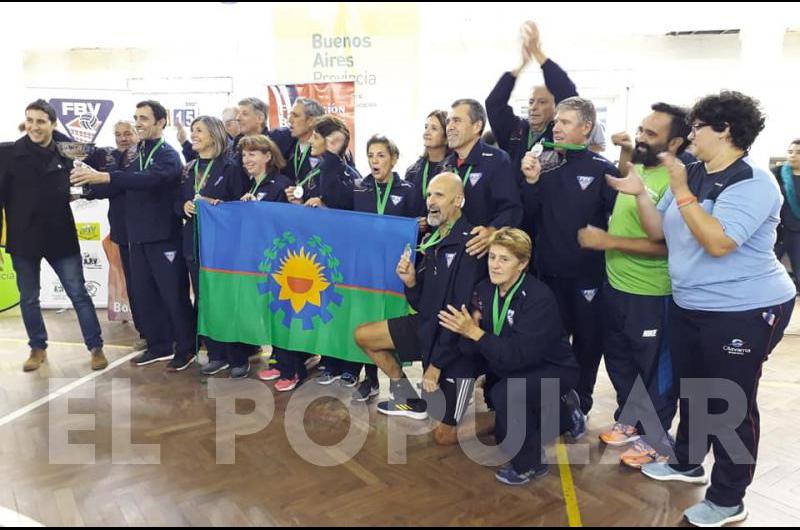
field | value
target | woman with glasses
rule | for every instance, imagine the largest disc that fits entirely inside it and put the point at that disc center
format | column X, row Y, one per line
column 732, row 298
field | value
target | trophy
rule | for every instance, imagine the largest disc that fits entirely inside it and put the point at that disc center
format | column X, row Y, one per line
column 76, row 151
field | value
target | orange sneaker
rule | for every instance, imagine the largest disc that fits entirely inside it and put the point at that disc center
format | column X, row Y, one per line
column 620, row 435
column 640, row 454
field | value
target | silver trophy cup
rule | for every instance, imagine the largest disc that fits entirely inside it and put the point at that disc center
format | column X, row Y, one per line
column 76, row 151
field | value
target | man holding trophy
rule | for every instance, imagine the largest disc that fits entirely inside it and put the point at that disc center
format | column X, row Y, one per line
column 35, row 193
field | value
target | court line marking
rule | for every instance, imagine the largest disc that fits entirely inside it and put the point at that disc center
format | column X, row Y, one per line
column 17, row 414
column 568, row 486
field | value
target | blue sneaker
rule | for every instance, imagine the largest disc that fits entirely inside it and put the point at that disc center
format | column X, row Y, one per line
column 214, row 367
column 240, row 372
column 578, row 428
column 665, row 473
column 348, row 380
column 507, row 475
column 706, row 514
column 366, row 391
column 328, row 378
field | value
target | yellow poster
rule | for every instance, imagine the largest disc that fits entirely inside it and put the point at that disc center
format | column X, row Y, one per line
column 375, row 45
column 88, row 231
column 9, row 295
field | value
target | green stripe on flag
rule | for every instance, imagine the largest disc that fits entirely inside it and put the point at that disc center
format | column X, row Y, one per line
column 233, row 310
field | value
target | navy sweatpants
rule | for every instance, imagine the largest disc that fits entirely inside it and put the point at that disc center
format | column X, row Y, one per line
column 727, row 346
column 581, row 311
column 233, row 353
column 523, row 396
column 161, row 290
column 637, row 347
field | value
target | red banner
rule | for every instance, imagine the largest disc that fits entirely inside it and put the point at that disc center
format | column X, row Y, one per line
column 119, row 308
column 338, row 99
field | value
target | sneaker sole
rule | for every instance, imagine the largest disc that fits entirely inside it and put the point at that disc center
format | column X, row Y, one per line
column 678, row 478
column 363, row 399
column 271, row 378
column 243, row 376
column 348, row 385
column 215, row 372
column 287, row 389
column 413, row 415
column 620, row 444
column 157, row 360
column 730, row 520
column 530, row 478
column 506, row 482
column 176, row 369
column 326, row 383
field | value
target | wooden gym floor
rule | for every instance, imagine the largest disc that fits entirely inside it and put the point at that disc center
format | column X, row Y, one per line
column 271, row 485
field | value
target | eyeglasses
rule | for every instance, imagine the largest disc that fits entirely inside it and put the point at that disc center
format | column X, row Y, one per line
column 699, row 125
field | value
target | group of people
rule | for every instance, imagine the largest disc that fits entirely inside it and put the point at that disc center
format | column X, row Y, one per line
column 663, row 264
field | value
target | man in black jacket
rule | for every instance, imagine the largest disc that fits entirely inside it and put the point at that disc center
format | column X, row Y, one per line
column 127, row 139
column 490, row 189
column 563, row 200
column 34, row 191
column 446, row 275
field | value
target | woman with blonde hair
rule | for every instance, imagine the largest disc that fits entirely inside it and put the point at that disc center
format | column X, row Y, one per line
column 515, row 327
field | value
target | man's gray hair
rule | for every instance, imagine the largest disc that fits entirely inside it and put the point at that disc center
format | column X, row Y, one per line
column 258, row 105
column 583, row 107
column 476, row 110
column 311, row 107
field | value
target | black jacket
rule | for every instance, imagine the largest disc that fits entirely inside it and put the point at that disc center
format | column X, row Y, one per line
column 281, row 136
column 299, row 165
column 512, row 131
column 404, row 199
column 564, row 200
column 333, row 184
column 150, row 194
column 446, row 274
column 272, row 188
column 492, row 190
column 119, row 160
column 532, row 335
column 34, row 191
column 416, row 172
column 224, row 182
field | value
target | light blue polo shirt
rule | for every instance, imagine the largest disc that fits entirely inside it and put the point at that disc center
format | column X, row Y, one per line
column 749, row 208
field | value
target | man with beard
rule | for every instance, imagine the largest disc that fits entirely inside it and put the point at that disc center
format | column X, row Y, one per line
column 638, row 293
column 445, row 275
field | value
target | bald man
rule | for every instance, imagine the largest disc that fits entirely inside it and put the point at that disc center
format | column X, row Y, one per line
column 445, row 275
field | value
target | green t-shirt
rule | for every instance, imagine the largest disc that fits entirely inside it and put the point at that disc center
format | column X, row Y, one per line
column 627, row 272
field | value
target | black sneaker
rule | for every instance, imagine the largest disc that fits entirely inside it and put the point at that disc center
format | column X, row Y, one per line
column 416, row 409
column 180, row 363
column 507, row 475
column 366, row 391
column 240, row 372
column 573, row 403
column 149, row 357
